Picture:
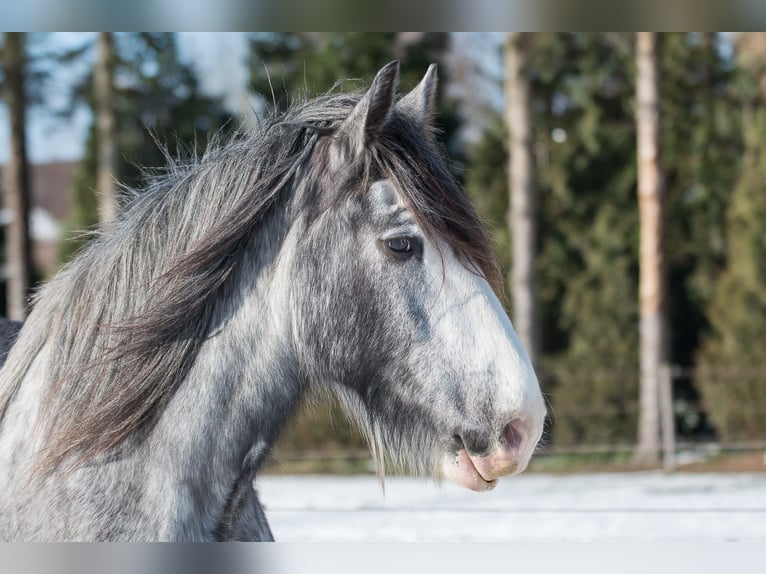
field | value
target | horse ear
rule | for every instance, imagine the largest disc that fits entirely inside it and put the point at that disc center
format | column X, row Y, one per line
column 373, row 110
column 421, row 101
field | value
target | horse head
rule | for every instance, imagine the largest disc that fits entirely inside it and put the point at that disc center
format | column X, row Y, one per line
column 394, row 308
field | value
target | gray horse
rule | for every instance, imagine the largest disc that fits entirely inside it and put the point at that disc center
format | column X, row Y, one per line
column 330, row 251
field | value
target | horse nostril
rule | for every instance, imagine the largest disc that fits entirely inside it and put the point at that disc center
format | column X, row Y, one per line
column 473, row 440
column 513, row 436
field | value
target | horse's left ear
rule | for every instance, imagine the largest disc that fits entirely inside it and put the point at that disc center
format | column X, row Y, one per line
column 373, row 110
column 420, row 103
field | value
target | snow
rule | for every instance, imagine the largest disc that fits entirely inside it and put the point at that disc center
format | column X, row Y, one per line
column 528, row 508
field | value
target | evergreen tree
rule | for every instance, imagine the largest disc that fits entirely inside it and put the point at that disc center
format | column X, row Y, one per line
column 582, row 89
column 703, row 149
column 522, row 216
column 106, row 127
column 732, row 368
column 36, row 63
column 653, row 285
column 486, row 183
column 16, row 183
column 158, row 104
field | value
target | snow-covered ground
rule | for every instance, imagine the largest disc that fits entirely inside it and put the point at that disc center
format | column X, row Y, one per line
column 530, row 507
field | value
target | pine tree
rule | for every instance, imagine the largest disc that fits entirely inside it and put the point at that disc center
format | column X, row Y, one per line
column 522, row 218
column 158, row 100
column 653, row 284
column 703, row 150
column 587, row 269
column 16, row 182
column 732, row 368
column 583, row 90
column 106, row 126
column 486, row 183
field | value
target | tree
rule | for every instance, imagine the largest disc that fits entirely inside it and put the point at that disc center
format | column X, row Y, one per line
column 486, row 183
column 584, row 141
column 158, row 100
column 702, row 158
column 731, row 366
column 584, row 149
column 652, row 282
column 106, row 126
column 16, row 179
column 582, row 86
column 521, row 185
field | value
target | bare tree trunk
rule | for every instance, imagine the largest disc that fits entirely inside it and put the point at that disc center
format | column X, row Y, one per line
column 106, row 127
column 523, row 205
column 652, row 285
column 16, row 190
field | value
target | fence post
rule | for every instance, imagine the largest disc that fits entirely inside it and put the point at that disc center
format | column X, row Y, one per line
column 667, row 418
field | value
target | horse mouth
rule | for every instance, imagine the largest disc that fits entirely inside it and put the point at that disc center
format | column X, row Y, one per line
column 508, row 457
column 460, row 468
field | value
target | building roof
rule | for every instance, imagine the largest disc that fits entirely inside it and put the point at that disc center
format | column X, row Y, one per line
column 52, row 185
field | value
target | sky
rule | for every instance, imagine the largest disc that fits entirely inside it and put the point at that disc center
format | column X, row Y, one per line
column 219, row 59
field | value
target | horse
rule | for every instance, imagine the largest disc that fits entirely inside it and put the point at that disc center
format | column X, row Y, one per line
column 330, row 250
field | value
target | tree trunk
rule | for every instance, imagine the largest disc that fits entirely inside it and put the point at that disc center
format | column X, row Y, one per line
column 106, row 128
column 16, row 190
column 521, row 183
column 652, row 284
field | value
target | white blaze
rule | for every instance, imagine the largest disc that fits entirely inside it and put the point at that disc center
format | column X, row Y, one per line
column 471, row 324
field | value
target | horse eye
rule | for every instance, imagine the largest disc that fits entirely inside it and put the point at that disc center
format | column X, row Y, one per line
column 399, row 245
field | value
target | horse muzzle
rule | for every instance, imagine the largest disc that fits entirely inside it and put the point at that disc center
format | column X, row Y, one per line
column 509, row 456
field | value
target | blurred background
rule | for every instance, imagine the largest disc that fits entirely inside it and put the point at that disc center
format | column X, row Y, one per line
column 623, row 176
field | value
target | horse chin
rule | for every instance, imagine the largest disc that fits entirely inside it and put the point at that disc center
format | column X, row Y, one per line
column 459, row 468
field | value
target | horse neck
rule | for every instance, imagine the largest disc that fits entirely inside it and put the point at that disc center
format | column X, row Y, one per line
column 240, row 391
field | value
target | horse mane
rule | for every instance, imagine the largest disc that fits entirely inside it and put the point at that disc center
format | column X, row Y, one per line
column 125, row 320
